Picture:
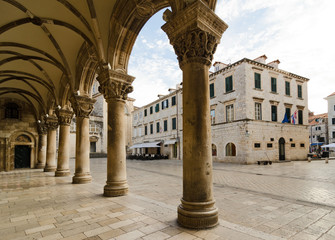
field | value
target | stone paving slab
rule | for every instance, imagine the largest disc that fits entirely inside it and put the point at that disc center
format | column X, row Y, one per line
column 36, row 205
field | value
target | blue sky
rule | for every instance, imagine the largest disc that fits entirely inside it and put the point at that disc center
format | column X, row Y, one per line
column 300, row 33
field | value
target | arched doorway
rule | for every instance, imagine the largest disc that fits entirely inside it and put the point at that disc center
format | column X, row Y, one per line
column 22, row 156
column 230, row 149
column 281, row 149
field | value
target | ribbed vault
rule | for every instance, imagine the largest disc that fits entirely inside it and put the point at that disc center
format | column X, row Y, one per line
column 51, row 49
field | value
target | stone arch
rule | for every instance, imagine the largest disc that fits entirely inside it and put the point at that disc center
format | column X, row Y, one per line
column 22, row 138
column 230, row 149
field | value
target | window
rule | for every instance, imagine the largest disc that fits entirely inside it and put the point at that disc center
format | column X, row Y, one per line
column 151, row 110
column 211, row 90
column 230, row 113
column 288, row 114
column 145, row 130
column 135, row 116
column 151, row 128
column 214, row 152
column 165, row 104
column 274, row 85
column 333, row 135
column 257, row 145
column 157, row 107
column 299, row 91
column 12, row 111
column 300, row 117
column 212, row 116
column 174, row 123
column 145, row 112
column 134, row 133
column 302, row 145
column 258, row 111
column 173, row 100
column 293, row 145
column 333, row 121
column 257, row 81
column 230, row 149
column 165, row 126
column 269, row 145
column 229, row 83
column 157, row 127
column 287, row 88
column 274, row 113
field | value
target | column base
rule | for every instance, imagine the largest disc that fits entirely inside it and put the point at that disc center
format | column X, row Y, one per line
column 40, row 166
column 115, row 189
column 49, row 169
column 198, row 215
column 81, row 178
column 62, row 173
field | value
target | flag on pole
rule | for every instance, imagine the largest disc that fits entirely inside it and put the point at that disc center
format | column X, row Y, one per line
column 294, row 117
column 285, row 120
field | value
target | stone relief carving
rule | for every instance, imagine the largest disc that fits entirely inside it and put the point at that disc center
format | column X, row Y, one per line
column 51, row 122
column 42, row 128
column 23, row 138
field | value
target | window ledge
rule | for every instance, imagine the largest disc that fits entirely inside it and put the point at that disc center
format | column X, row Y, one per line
column 229, row 91
column 288, row 96
column 258, row 89
column 274, row 93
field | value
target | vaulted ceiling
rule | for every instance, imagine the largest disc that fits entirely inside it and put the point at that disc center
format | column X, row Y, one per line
column 50, row 49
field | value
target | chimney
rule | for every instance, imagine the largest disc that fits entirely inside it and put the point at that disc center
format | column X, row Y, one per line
column 171, row 90
column 160, row 96
column 274, row 63
column 261, row 59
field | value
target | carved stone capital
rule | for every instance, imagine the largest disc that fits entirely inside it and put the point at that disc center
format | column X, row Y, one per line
column 194, row 33
column 64, row 116
column 51, row 122
column 42, row 128
column 82, row 106
column 115, row 85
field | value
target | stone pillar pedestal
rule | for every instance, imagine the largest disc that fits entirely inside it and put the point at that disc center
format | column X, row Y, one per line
column 194, row 33
column 83, row 107
column 42, row 146
column 64, row 119
column 52, row 125
column 115, row 87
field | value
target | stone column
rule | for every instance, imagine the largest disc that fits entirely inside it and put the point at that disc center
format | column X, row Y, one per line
column 42, row 145
column 52, row 125
column 64, row 120
column 115, row 87
column 83, row 107
column 194, row 33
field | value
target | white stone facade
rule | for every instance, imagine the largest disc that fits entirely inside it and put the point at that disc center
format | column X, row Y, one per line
column 331, row 117
column 246, row 116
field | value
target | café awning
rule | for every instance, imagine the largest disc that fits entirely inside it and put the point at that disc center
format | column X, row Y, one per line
column 146, row 145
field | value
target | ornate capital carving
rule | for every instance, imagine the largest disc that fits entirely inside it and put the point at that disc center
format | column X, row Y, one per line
column 82, row 106
column 51, row 122
column 194, row 33
column 64, row 116
column 42, row 128
column 114, row 84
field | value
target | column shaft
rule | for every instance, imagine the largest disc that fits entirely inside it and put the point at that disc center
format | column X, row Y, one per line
column 82, row 172
column 63, row 151
column 51, row 151
column 116, row 151
column 42, row 145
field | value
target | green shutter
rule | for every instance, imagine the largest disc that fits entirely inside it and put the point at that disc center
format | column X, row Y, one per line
column 211, row 90
column 273, row 85
column 257, row 81
column 229, row 83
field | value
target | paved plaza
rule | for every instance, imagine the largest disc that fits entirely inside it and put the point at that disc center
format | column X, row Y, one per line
column 291, row 200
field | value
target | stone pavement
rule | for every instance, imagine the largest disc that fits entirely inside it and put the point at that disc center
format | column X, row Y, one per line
column 292, row 200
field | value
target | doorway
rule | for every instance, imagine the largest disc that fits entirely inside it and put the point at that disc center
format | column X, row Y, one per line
column 93, row 147
column 22, row 156
column 281, row 149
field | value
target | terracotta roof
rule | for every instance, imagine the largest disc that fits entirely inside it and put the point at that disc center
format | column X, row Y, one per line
column 314, row 120
column 331, row 94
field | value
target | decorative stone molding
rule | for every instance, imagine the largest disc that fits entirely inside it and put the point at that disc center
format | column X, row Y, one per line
column 51, row 122
column 82, row 106
column 114, row 84
column 194, row 32
column 144, row 8
column 64, row 116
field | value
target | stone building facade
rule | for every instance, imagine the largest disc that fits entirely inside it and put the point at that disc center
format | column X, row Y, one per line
column 318, row 131
column 248, row 103
column 331, row 117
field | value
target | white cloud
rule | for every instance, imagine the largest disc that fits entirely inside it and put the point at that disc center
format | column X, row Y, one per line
column 297, row 32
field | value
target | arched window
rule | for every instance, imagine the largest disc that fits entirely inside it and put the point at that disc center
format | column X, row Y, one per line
column 214, row 152
column 230, row 149
column 12, row 111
